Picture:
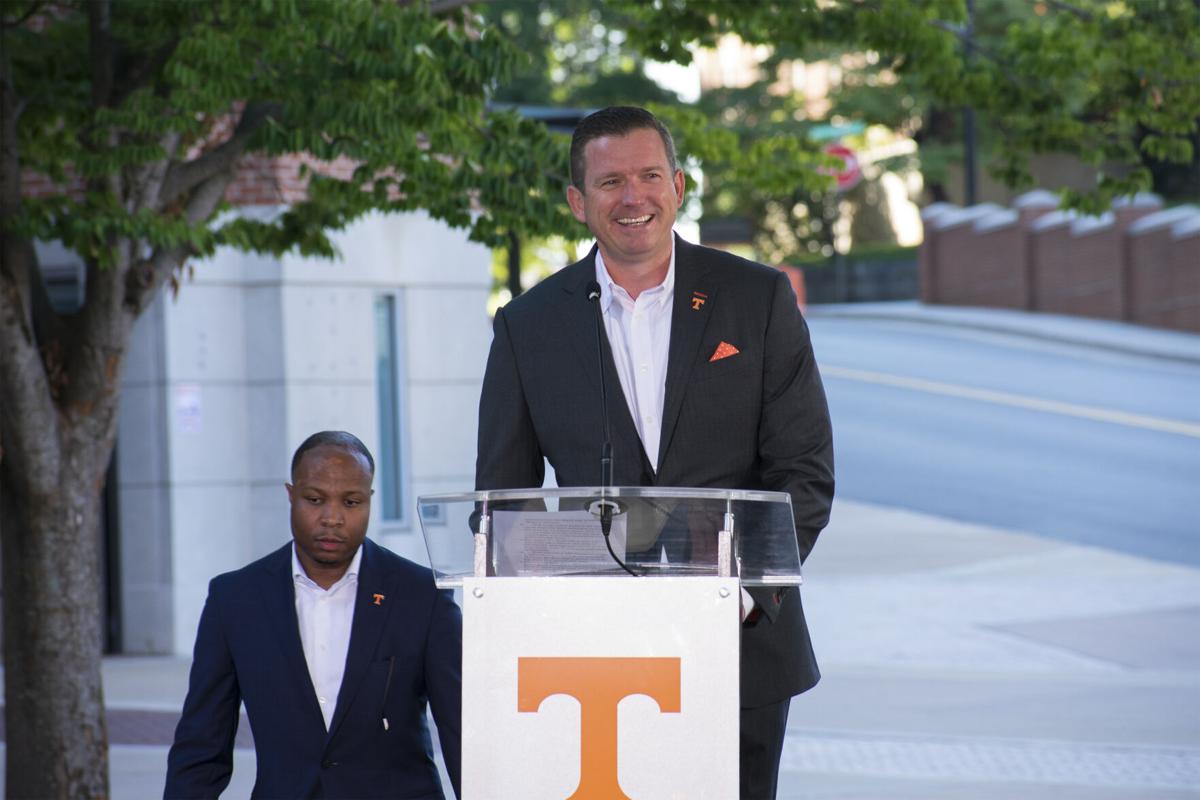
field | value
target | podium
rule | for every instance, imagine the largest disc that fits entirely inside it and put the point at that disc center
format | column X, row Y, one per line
column 589, row 679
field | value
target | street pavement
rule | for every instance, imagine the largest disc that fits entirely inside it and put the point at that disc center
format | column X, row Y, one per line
column 959, row 661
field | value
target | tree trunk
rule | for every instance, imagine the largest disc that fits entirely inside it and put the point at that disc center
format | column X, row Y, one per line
column 54, row 703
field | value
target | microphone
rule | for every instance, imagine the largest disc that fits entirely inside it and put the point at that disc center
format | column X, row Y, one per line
column 606, row 473
column 593, row 295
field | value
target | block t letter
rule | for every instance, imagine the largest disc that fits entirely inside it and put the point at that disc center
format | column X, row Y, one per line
column 599, row 684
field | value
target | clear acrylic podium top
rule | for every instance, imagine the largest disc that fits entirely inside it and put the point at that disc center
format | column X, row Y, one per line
column 657, row 531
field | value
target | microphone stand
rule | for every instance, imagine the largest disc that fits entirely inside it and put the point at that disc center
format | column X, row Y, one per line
column 606, row 473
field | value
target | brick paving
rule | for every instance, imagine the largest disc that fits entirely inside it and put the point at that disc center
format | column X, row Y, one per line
column 986, row 759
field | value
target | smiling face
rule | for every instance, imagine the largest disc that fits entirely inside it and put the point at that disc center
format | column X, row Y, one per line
column 331, row 504
column 629, row 202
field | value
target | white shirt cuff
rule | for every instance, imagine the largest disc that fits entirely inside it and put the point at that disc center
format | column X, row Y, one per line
column 747, row 604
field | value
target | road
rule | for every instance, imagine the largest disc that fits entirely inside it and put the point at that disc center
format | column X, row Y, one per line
column 1069, row 442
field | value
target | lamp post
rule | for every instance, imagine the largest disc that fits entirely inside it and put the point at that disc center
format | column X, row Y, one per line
column 969, row 117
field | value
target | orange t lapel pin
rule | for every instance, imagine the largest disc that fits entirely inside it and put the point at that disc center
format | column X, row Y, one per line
column 698, row 299
column 724, row 350
column 378, row 599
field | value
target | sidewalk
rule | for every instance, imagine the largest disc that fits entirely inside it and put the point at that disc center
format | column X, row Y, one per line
column 977, row 664
column 1102, row 334
column 960, row 662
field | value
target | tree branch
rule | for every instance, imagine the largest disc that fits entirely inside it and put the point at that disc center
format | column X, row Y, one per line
column 147, row 276
column 146, row 69
column 27, row 415
column 34, row 8
column 28, row 418
column 972, row 46
column 183, row 177
column 147, row 183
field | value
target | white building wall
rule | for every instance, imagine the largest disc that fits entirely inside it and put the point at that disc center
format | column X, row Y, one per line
column 258, row 353
column 143, row 494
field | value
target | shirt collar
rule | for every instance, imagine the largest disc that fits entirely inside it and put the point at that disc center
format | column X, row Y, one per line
column 607, row 284
column 351, row 572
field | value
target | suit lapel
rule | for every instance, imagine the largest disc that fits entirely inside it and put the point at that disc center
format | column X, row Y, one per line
column 279, row 599
column 690, row 312
column 369, row 622
column 579, row 317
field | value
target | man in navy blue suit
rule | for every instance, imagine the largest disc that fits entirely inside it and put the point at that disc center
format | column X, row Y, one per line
column 335, row 645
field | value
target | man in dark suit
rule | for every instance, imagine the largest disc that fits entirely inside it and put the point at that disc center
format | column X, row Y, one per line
column 718, row 387
column 335, row 645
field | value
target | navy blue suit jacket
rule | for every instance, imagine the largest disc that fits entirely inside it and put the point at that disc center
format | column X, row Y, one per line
column 404, row 651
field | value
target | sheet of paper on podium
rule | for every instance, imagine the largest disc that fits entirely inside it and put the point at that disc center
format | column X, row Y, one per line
column 554, row 543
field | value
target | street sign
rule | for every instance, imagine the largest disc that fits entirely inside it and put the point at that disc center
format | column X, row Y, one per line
column 850, row 174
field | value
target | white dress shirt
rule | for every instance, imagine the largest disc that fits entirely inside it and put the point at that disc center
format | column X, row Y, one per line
column 639, row 333
column 325, row 616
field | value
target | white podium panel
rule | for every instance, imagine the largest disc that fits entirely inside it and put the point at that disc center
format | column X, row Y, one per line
column 600, row 688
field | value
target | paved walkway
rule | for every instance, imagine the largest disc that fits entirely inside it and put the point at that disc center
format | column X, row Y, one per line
column 972, row 663
column 960, row 662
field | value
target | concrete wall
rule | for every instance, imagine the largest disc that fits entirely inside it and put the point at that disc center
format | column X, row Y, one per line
column 254, row 355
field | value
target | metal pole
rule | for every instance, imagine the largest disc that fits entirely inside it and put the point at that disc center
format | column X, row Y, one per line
column 969, row 197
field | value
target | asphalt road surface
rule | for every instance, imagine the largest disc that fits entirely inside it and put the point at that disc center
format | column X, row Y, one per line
column 1069, row 442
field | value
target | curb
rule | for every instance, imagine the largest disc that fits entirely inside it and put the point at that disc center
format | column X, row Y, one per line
column 1111, row 336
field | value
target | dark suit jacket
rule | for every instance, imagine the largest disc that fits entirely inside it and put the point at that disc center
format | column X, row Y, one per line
column 756, row 420
column 403, row 651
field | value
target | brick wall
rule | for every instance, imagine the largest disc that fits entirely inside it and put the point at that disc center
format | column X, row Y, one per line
column 1076, row 268
column 1136, row 262
column 988, row 275
column 259, row 180
column 926, row 268
column 951, row 252
column 1147, row 254
column 1184, row 265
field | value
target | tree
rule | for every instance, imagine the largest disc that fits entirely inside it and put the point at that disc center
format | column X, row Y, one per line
column 1042, row 77
column 579, row 57
column 1111, row 82
column 575, row 59
column 576, row 55
column 138, row 111
column 875, row 93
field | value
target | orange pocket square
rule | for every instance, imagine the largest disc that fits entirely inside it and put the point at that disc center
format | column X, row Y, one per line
column 724, row 350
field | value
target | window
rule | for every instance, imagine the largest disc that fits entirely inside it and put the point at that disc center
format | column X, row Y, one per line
column 389, row 476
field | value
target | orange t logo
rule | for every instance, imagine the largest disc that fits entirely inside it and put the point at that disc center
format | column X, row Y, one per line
column 599, row 684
